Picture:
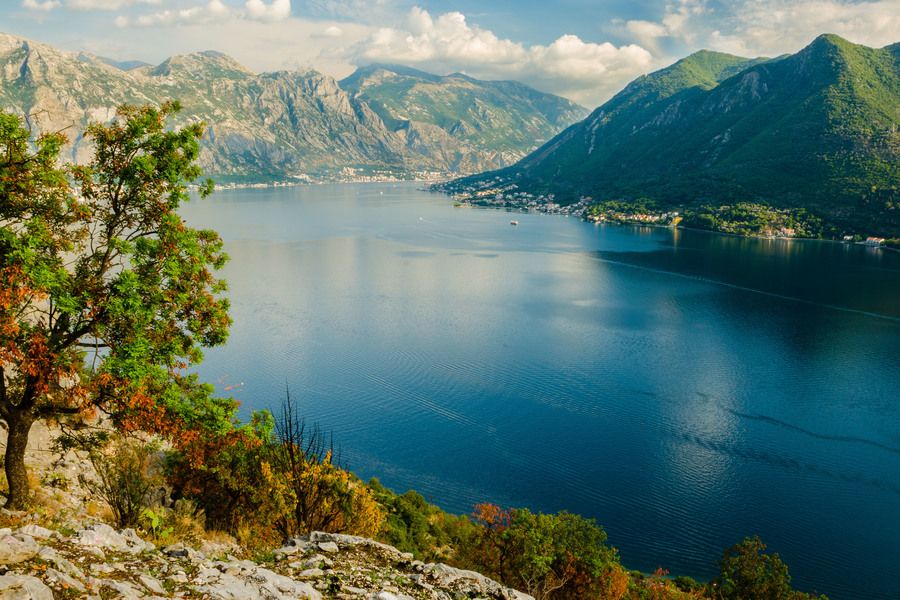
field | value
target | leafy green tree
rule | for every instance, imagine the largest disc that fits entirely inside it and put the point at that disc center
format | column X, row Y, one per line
column 558, row 555
column 95, row 258
column 746, row 572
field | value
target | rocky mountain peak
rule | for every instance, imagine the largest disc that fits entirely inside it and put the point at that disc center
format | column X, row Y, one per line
column 287, row 124
column 201, row 64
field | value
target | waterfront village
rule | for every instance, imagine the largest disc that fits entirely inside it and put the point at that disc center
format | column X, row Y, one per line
column 511, row 198
column 743, row 218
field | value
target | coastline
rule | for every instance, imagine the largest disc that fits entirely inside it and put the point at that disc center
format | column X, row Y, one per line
column 582, row 209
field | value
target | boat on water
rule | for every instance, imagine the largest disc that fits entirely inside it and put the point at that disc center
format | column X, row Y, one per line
column 513, row 222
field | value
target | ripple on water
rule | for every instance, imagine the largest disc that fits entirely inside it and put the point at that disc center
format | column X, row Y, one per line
column 683, row 389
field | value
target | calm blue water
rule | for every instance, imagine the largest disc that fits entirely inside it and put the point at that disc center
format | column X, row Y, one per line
column 686, row 389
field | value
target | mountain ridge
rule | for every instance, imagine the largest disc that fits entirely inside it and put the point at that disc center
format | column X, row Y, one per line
column 814, row 130
column 278, row 125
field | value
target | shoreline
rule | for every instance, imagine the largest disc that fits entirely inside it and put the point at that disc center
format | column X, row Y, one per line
column 582, row 215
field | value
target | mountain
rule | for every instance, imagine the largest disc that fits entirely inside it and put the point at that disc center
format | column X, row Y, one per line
column 503, row 116
column 816, row 130
column 285, row 124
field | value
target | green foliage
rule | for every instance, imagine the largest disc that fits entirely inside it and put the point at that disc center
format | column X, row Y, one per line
column 127, row 473
column 154, row 522
column 268, row 480
column 413, row 525
column 562, row 555
column 747, row 218
column 746, row 572
column 96, row 256
column 817, row 130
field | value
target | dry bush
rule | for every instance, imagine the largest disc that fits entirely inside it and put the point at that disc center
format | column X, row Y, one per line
column 127, row 475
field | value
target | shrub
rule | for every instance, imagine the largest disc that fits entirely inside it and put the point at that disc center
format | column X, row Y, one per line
column 413, row 525
column 560, row 555
column 747, row 572
column 266, row 481
column 127, row 472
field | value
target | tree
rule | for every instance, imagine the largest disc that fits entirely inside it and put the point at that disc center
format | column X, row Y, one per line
column 557, row 555
column 95, row 258
column 746, row 572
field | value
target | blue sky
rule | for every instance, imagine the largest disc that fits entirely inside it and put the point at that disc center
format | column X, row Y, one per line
column 585, row 50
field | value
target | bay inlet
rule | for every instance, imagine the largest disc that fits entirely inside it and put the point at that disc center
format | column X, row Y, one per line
column 686, row 389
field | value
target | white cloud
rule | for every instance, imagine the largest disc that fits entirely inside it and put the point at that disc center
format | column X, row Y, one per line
column 105, row 4
column 585, row 71
column 276, row 11
column 213, row 11
column 332, row 31
column 44, row 5
column 775, row 26
column 769, row 27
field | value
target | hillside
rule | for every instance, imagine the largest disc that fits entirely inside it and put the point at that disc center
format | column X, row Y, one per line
column 287, row 124
column 97, row 561
column 816, row 130
column 499, row 116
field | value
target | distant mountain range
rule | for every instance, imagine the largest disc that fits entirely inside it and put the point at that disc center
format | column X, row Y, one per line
column 275, row 126
column 816, row 130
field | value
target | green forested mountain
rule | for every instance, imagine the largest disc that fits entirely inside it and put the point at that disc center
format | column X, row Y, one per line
column 817, row 129
column 284, row 124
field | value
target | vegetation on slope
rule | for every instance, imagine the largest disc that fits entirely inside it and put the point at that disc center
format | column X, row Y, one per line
column 815, row 130
column 102, row 260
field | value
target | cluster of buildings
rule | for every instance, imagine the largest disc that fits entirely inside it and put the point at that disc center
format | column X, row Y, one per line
column 613, row 216
column 510, row 197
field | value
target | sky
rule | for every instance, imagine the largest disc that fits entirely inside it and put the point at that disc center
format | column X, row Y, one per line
column 585, row 50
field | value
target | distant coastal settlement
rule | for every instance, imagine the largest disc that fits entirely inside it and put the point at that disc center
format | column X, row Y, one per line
column 343, row 175
column 752, row 219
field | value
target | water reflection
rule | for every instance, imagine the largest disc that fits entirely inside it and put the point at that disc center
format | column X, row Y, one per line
column 685, row 389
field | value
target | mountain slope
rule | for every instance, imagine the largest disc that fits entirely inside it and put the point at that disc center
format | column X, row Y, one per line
column 283, row 124
column 817, row 130
column 498, row 115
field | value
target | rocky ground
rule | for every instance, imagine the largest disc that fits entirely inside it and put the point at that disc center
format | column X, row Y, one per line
column 63, row 549
column 100, row 562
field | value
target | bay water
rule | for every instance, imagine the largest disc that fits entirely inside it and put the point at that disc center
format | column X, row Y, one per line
column 684, row 388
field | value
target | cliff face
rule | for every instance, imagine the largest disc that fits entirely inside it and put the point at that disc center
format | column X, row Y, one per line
column 283, row 124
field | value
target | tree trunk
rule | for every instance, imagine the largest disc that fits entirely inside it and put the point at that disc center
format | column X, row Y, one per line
column 16, row 474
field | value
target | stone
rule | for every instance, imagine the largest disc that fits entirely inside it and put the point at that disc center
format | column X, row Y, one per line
column 125, row 590
column 177, row 550
column 469, row 582
column 152, row 584
column 318, row 561
column 63, row 580
column 179, row 577
column 99, row 534
column 281, row 585
column 66, row 566
column 36, row 531
column 17, row 548
column 23, row 587
column 96, row 552
column 353, row 540
column 226, row 587
column 102, row 568
column 311, row 573
column 330, row 547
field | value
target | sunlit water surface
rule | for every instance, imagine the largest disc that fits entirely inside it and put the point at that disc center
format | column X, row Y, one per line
column 686, row 389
